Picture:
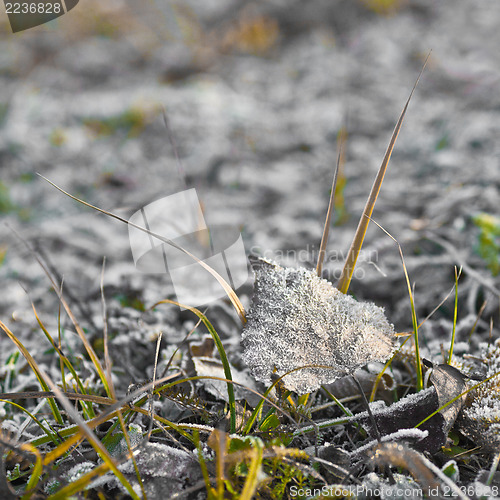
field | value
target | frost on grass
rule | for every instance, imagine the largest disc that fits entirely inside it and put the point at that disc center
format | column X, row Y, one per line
column 480, row 419
column 297, row 319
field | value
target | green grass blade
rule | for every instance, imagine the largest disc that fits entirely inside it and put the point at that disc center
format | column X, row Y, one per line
column 79, row 330
column 35, row 368
column 252, row 481
column 456, row 398
column 86, row 407
column 222, row 354
column 420, row 380
column 35, row 474
column 452, row 343
column 53, row 437
column 89, row 434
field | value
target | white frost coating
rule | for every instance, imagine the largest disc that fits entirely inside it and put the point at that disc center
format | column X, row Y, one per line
column 401, row 435
column 298, row 319
column 409, row 402
column 483, row 414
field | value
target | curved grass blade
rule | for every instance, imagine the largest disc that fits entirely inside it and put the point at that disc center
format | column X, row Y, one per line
column 35, row 474
column 51, row 435
column 35, row 368
column 418, row 362
column 225, row 285
column 222, row 354
column 252, row 482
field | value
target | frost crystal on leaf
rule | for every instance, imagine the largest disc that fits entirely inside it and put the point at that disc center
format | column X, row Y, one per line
column 297, row 319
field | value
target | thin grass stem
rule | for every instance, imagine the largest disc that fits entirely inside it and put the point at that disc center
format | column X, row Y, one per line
column 452, row 343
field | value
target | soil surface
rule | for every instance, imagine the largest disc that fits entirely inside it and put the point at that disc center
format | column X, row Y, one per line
column 255, row 94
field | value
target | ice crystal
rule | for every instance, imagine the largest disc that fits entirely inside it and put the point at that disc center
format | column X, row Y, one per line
column 297, row 319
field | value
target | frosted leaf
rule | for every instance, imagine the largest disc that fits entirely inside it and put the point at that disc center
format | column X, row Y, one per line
column 298, row 319
column 164, row 470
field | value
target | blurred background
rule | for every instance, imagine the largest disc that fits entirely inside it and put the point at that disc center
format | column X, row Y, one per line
column 255, row 94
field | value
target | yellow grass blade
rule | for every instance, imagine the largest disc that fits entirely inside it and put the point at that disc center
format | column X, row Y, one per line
column 225, row 285
column 357, row 243
column 89, row 434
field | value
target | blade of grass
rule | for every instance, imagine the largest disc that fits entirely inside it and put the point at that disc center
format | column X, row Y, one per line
column 59, row 342
column 184, row 340
column 357, row 242
column 252, row 481
column 418, row 362
column 263, row 396
column 131, row 455
column 203, row 466
column 222, row 354
column 87, row 408
column 49, row 394
column 331, row 206
column 107, row 358
column 36, row 472
column 89, row 434
column 452, row 343
column 69, row 312
column 225, row 285
column 381, row 374
column 107, row 362
column 45, row 381
column 220, row 446
column 493, row 469
column 34, row 367
column 110, row 412
column 344, row 409
column 79, row 484
column 151, row 403
column 53, row 437
column 456, row 398
column 387, row 364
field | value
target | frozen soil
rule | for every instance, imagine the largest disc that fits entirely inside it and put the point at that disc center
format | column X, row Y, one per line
column 255, row 120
